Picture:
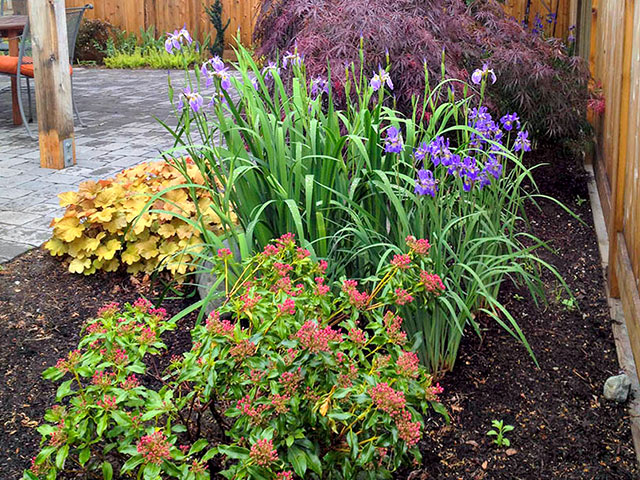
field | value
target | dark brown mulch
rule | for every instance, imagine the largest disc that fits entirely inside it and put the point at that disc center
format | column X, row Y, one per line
column 564, row 428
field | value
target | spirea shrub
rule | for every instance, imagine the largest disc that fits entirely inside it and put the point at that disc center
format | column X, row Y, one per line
column 291, row 377
column 104, row 225
column 536, row 76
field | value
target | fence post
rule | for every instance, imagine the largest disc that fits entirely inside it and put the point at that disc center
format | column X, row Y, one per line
column 620, row 165
column 48, row 24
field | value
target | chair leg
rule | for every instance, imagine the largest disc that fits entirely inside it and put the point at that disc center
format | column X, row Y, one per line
column 75, row 106
column 24, row 118
column 29, row 101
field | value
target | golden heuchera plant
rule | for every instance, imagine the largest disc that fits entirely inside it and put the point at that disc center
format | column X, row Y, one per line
column 102, row 228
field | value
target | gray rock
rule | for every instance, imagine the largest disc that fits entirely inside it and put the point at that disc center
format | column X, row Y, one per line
column 616, row 388
column 206, row 280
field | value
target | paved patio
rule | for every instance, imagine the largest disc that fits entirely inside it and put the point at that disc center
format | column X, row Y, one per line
column 118, row 108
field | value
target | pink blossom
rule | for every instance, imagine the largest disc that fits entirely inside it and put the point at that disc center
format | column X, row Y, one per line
column 393, row 324
column 322, row 266
column 263, row 453
column 317, row 339
column 357, row 336
column 279, row 402
column 130, row 382
column 407, row 430
column 142, row 304
column 219, row 327
column 288, row 475
column 289, row 306
column 147, row 336
column 321, row 289
column 154, row 448
column 282, row 268
column 290, row 381
column 418, row 246
column 108, row 402
column 108, row 309
column 302, row 253
column 401, row 261
column 103, row 379
column 387, row 399
column 432, row 282
column 243, row 349
column 71, row 362
column 407, row 364
column 58, row 436
column 224, row 253
column 402, row 296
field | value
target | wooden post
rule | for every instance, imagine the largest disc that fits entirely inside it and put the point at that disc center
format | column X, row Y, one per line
column 620, row 164
column 48, row 24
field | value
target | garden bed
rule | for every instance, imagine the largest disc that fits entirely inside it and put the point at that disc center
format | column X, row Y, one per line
column 564, row 428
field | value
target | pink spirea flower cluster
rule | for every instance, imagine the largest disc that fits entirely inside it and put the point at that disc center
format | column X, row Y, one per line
column 407, row 364
column 387, row 399
column 147, row 336
column 243, row 349
column 108, row 309
column 224, row 253
column 322, row 266
column 58, row 436
column 108, row 402
column 418, row 246
column 302, row 253
column 394, row 403
column 279, row 402
column 103, row 379
column 321, row 289
column 393, row 324
column 358, row 336
column 130, row 382
column 358, row 299
column 247, row 407
column 290, row 381
column 282, row 268
column 284, row 475
column 263, row 453
column 316, row 339
column 401, row 261
column 154, row 448
column 288, row 306
column 218, row 327
column 402, row 297
column 142, row 304
column 69, row 363
column 432, row 282
column 249, row 302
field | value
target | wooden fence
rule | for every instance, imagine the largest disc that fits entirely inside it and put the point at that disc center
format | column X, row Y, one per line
column 166, row 15
column 614, row 54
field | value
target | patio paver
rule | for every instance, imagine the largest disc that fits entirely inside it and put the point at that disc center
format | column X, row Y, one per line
column 118, row 108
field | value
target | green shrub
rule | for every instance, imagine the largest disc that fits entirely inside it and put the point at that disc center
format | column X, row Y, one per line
column 285, row 376
column 156, row 59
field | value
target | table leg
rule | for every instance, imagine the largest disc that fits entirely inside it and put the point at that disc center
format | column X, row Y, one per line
column 14, row 51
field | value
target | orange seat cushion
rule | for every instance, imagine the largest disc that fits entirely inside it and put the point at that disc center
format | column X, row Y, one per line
column 9, row 65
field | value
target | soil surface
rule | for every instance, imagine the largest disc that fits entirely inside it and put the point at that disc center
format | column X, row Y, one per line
column 564, row 429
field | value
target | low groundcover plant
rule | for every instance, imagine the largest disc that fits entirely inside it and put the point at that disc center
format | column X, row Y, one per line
column 291, row 377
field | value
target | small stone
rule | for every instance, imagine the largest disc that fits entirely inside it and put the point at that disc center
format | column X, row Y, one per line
column 511, row 451
column 616, row 388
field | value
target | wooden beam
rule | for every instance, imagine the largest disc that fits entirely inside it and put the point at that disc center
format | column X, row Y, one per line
column 629, row 297
column 620, row 164
column 48, row 25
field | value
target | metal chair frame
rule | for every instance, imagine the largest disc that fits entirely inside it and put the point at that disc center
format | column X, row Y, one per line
column 73, row 26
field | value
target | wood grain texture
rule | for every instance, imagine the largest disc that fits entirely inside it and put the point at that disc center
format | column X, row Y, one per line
column 167, row 15
column 52, row 79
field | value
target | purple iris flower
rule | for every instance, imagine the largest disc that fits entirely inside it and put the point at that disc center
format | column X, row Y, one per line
column 522, row 142
column 269, row 70
column 437, row 148
column 479, row 74
column 293, row 58
column 421, row 152
column 493, row 167
column 393, row 141
column 194, row 98
column 319, row 86
column 255, row 83
column 509, row 121
column 425, row 183
column 176, row 39
column 379, row 79
column 215, row 68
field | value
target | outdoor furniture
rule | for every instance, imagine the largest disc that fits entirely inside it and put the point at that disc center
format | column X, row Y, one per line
column 19, row 64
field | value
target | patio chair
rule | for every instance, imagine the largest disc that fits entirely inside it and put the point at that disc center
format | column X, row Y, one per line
column 22, row 65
